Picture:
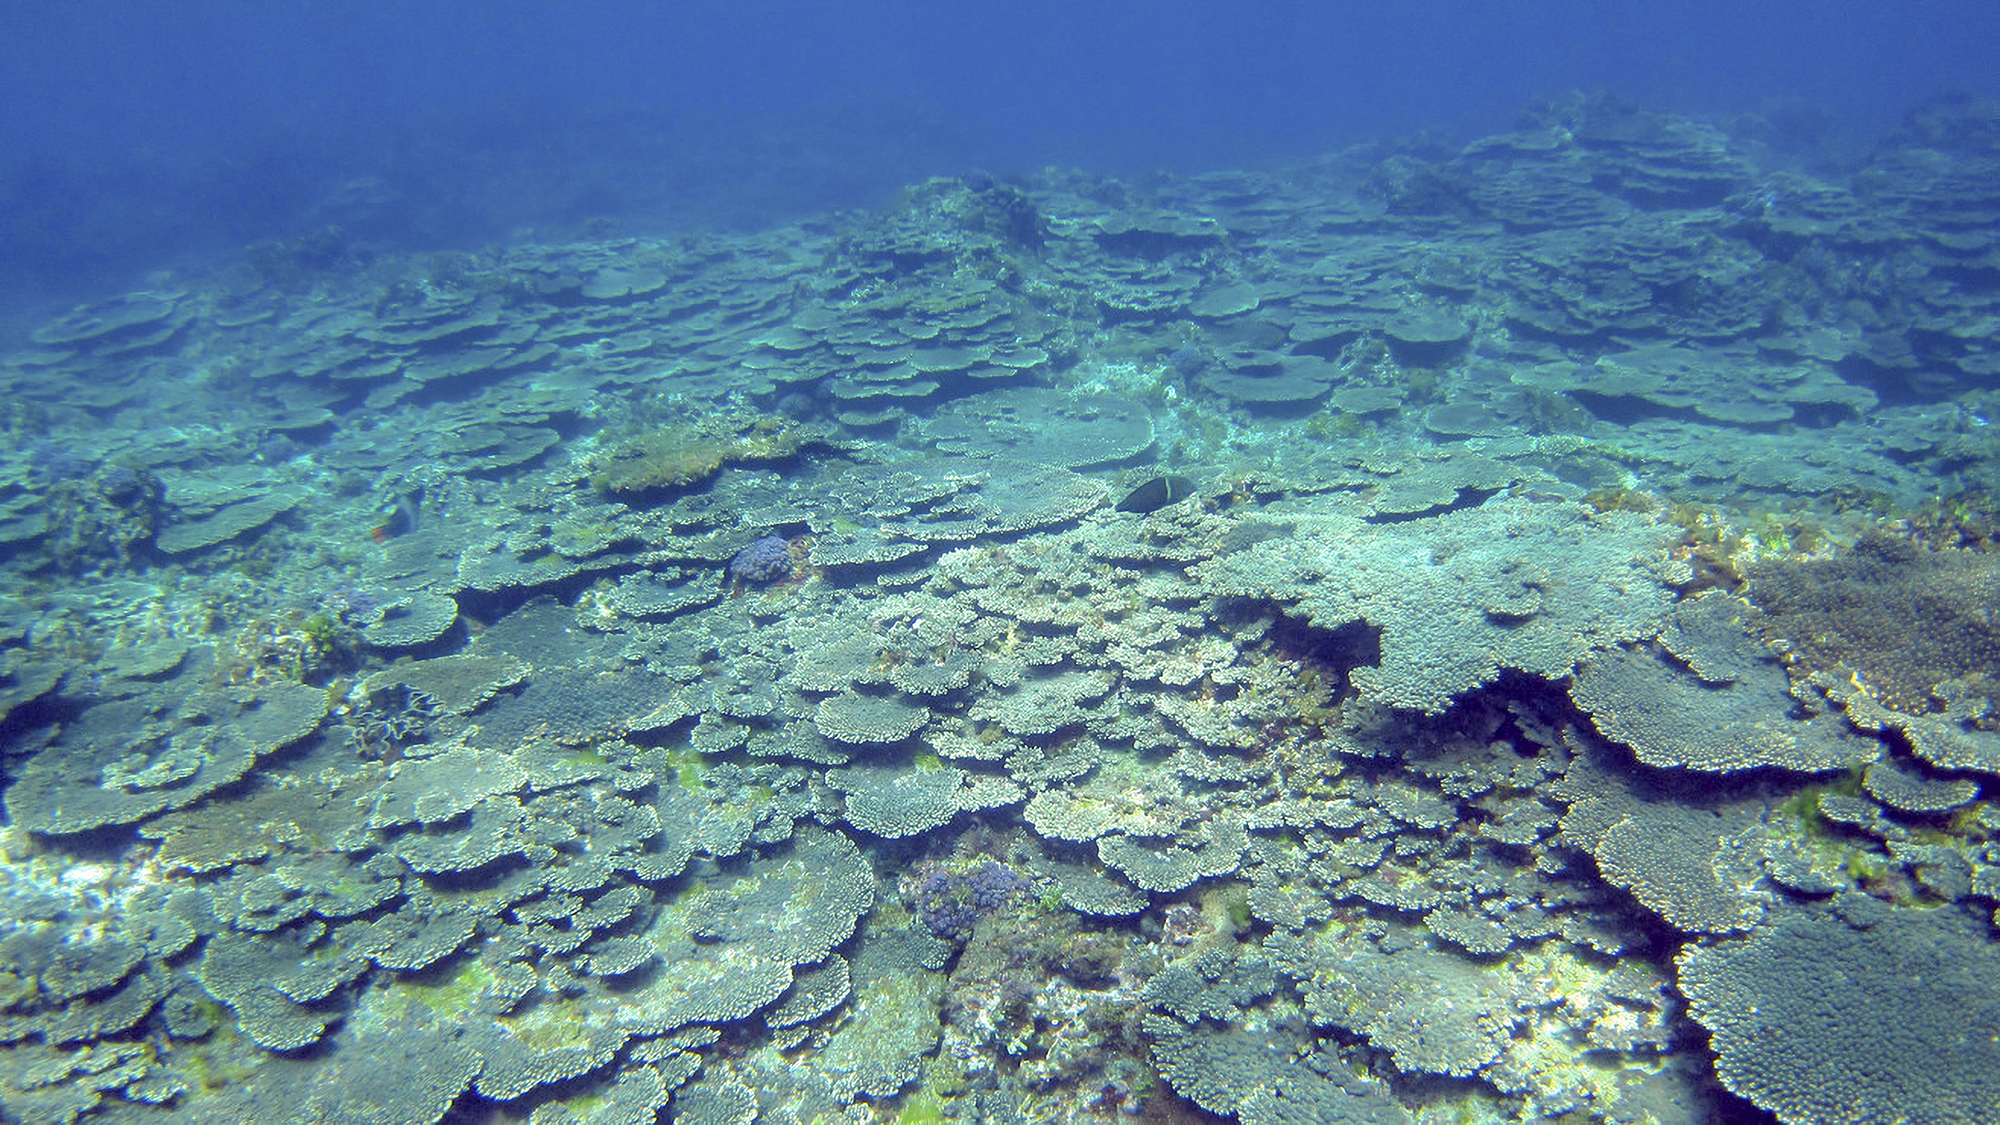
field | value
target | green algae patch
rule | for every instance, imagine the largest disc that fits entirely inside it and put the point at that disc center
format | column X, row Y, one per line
column 452, row 997
column 689, row 766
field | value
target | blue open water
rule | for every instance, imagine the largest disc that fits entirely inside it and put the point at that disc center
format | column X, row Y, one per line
column 137, row 133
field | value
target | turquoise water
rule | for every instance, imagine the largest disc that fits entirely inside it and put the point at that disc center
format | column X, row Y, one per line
column 1334, row 627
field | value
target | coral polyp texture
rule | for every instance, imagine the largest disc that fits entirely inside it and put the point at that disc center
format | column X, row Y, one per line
column 1557, row 681
column 764, row 561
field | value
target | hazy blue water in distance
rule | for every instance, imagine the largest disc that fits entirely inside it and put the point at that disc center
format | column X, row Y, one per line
column 137, row 135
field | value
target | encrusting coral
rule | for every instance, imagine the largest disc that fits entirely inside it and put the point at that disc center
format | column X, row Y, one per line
column 682, row 456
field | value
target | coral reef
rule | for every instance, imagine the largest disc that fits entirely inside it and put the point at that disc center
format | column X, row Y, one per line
column 764, row 561
column 1466, row 635
column 951, row 902
column 682, row 456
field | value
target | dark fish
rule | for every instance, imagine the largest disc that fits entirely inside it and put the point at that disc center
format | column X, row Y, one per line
column 1157, row 493
column 398, row 515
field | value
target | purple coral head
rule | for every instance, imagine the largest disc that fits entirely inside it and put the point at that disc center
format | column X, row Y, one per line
column 767, row 560
column 951, row 901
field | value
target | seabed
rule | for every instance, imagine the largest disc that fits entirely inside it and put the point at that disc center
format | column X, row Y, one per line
column 1501, row 634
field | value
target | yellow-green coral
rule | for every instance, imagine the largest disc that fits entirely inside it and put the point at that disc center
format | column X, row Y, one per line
column 449, row 997
column 688, row 766
column 921, row 1109
column 683, row 456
